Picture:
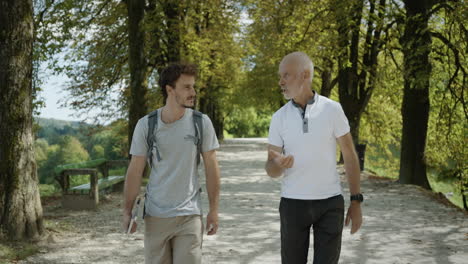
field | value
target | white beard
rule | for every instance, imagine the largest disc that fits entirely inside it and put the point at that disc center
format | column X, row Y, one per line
column 289, row 97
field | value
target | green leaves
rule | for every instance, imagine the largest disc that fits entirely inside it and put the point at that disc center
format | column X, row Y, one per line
column 238, row 62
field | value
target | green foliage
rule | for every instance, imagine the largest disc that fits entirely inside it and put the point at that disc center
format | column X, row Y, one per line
column 51, row 129
column 47, row 190
column 62, row 142
column 447, row 151
column 40, row 151
column 381, row 121
column 71, row 150
column 278, row 28
column 86, row 41
column 68, row 150
column 77, row 180
column 97, row 152
column 78, row 165
column 238, row 80
column 248, row 122
column 109, row 142
column 447, row 186
column 11, row 252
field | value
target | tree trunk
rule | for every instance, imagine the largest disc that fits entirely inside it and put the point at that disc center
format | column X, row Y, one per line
column 208, row 101
column 209, row 106
column 20, row 202
column 326, row 88
column 348, row 61
column 416, row 45
column 356, row 86
column 173, row 18
column 137, row 63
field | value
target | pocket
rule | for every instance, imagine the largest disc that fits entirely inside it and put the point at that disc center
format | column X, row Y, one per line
column 336, row 202
column 340, row 201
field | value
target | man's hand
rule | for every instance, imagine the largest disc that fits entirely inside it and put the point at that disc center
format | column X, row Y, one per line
column 126, row 217
column 354, row 215
column 132, row 189
column 284, row 162
column 212, row 223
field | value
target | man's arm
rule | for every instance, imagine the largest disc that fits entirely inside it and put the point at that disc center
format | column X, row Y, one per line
column 212, row 185
column 132, row 187
column 277, row 162
column 353, row 173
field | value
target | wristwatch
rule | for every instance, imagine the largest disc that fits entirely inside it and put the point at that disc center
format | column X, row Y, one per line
column 357, row 197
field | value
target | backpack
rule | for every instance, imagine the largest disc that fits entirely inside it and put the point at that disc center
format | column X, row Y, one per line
column 153, row 126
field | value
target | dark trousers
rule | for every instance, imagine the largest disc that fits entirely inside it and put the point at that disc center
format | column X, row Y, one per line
column 325, row 216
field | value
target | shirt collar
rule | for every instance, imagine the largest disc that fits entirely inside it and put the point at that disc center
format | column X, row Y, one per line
column 309, row 102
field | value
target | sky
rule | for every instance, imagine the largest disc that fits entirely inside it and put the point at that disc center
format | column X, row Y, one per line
column 53, row 94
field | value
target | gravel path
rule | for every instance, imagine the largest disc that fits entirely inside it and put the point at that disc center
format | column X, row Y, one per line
column 402, row 224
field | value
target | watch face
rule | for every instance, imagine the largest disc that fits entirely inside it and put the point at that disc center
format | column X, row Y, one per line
column 357, row 197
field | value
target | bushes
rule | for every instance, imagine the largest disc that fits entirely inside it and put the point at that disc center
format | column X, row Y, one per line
column 68, row 150
column 248, row 122
column 59, row 143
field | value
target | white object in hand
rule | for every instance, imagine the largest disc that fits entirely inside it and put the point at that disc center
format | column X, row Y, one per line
column 130, row 225
column 134, row 216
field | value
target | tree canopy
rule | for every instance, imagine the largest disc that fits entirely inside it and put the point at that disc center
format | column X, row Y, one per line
column 365, row 54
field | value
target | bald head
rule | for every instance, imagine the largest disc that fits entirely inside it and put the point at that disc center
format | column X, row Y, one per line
column 301, row 61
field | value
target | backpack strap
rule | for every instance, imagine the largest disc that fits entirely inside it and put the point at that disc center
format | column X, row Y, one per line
column 151, row 138
column 198, row 124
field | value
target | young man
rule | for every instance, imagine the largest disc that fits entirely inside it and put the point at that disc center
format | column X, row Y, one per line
column 302, row 146
column 173, row 217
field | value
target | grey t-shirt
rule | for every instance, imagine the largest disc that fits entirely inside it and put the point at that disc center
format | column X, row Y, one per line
column 173, row 188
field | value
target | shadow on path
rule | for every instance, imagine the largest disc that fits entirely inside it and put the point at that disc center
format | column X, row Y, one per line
column 401, row 224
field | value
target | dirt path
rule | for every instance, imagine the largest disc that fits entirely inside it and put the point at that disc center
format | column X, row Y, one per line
column 402, row 224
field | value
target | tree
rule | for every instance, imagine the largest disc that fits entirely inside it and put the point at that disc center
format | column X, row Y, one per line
column 279, row 28
column 416, row 44
column 105, row 75
column 356, row 74
column 97, row 152
column 446, row 151
column 68, row 150
column 71, row 151
column 137, row 62
column 210, row 41
column 20, row 204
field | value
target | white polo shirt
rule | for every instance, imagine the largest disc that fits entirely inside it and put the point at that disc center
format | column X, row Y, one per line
column 310, row 137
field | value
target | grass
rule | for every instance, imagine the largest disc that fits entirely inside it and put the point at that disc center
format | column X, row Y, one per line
column 227, row 135
column 58, row 225
column 445, row 187
column 10, row 252
column 117, row 171
column 47, row 190
column 437, row 185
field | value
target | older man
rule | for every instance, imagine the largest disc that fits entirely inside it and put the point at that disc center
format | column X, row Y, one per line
column 302, row 147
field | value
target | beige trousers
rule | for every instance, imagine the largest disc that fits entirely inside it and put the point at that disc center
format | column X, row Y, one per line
column 174, row 240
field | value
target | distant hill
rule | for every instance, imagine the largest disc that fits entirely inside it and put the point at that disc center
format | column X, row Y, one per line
column 59, row 124
column 51, row 129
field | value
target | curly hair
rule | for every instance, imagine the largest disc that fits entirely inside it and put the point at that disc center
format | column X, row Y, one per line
column 171, row 74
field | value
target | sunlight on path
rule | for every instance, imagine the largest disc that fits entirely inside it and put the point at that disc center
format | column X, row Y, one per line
column 401, row 223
